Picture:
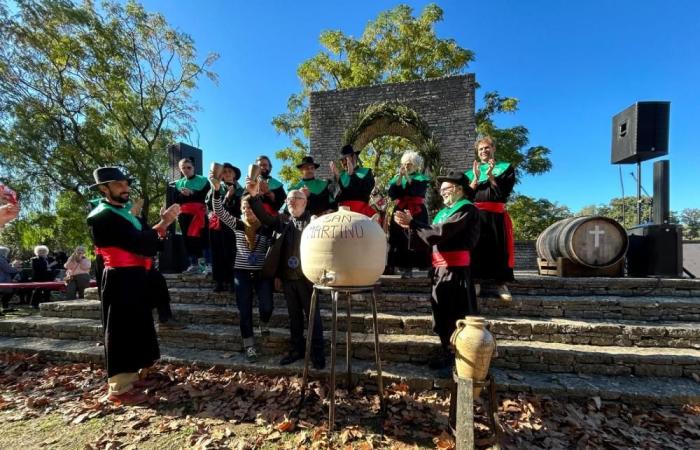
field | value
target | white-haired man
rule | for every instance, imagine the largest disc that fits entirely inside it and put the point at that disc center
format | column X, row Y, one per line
column 42, row 270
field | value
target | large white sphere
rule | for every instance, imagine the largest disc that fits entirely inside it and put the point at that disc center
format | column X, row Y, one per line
column 348, row 248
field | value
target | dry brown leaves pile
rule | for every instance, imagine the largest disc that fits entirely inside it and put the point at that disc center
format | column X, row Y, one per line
column 211, row 403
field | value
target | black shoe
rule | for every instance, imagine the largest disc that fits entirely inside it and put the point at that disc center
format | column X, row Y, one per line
column 290, row 358
column 219, row 287
column 445, row 372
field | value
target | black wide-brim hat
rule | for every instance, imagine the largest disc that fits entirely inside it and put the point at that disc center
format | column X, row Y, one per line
column 103, row 175
column 308, row 160
column 348, row 150
column 235, row 169
column 456, row 177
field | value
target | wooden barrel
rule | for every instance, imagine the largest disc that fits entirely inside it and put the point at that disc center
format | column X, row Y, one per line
column 592, row 241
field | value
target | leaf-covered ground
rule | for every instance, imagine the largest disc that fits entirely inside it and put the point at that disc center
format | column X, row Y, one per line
column 59, row 405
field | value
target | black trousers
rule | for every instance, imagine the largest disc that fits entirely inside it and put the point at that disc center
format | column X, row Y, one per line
column 194, row 245
column 158, row 294
column 297, row 293
column 453, row 297
column 223, row 253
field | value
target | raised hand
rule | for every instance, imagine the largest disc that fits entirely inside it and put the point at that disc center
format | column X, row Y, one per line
column 8, row 212
column 334, row 169
column 136, row 207
column 169, row 215
column 403, row 218
column 476, row 168
column 492, row 164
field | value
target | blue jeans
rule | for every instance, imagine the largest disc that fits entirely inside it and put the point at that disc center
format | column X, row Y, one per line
column 244, row 282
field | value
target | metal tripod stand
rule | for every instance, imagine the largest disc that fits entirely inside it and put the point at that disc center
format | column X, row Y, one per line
column 335, row 292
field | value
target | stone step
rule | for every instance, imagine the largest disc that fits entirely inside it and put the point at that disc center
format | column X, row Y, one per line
column 546, row 357
column 526, row 282
column 645, row 390
column 607, row 307
column 568, row 331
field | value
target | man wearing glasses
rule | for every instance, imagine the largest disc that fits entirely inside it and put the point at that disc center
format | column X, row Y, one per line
column 191, row 193
column 289, row 277
column 493, row 257
column 452, row 235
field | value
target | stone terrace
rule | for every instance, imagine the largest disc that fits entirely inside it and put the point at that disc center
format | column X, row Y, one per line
column 631, row 339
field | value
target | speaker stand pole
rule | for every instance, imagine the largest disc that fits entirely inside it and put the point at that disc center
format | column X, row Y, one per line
column 639, row 192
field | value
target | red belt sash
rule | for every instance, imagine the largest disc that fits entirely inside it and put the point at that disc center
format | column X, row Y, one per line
column 413, row 204
column 359, row 206
column 457, row 258
column 500, row 208
column 198, row 211
column 114, row 257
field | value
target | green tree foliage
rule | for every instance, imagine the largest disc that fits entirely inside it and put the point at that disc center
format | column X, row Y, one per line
column 624, row 212
column 690, row 218
column 531, row 216
column 395, row 47
column 82, row 87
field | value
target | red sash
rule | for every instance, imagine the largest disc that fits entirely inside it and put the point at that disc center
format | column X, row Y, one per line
column 117, row 257
column 413, row 204
column 457, row 258
column 359, row 206
column 198, row 211
column 500, row 208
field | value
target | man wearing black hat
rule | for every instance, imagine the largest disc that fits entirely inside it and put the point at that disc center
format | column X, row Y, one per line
column 454, row 232
column 126, row 248
column 317, row 194
column 355, row 183
column 223, row 240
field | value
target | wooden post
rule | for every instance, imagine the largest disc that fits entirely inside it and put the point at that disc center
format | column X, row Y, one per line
column 464, row 424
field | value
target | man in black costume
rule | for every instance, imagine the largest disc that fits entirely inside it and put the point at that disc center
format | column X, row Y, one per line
column 126, row 248
column 271, row 189
column 316, row 190
column 454, row 232
column 493, row 257
column 354, row 184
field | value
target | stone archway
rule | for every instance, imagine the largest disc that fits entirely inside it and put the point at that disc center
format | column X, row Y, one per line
column 443, row 107
column 392, row 119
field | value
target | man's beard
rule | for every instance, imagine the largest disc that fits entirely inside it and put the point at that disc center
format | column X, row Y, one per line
column 265, row 173
column 119, row 198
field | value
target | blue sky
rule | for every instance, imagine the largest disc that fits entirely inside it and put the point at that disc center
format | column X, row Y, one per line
column 572, row 65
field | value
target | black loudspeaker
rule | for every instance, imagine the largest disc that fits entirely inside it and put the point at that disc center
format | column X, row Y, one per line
column 655, row 250
column 662, row 208
column 640, row 132
column 178, row 151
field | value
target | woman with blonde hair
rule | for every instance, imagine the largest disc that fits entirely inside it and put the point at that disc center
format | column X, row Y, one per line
column 77, row 274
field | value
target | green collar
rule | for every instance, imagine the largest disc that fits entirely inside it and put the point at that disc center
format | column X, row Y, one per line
column 273, row 183
column 498, row 170
column 361, row 172
column 196, row 183
column 446, row 213
column 124, row 212
column 315, row 185
column 415, row 176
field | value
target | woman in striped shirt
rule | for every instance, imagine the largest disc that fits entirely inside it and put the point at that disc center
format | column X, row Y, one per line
column 252, row 242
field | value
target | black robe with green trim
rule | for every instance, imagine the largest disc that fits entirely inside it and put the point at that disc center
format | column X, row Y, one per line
column 402, row 252
column 319, row 199
column 357, row 186
column 130, row 340
column 200, row 187
column 490, row 256
column 276, row 188
column 452, row 295
column 223, row 240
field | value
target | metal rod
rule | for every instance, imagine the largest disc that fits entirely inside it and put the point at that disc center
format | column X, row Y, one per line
column 639, row 192
column 377, row 358
column 348, row 342
column 334, row 331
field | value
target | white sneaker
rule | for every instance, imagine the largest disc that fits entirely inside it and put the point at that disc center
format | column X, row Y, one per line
column 504, row 293
column 477, row 289
column 208, row 269
column 250, row 354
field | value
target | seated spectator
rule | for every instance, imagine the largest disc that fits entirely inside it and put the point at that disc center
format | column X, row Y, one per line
column 42, row 270
column 22, row 276
column 7, row 273
column 77, row 274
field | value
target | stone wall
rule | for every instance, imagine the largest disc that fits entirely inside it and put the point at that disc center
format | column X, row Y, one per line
column 525, row 255
column 446, row 105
